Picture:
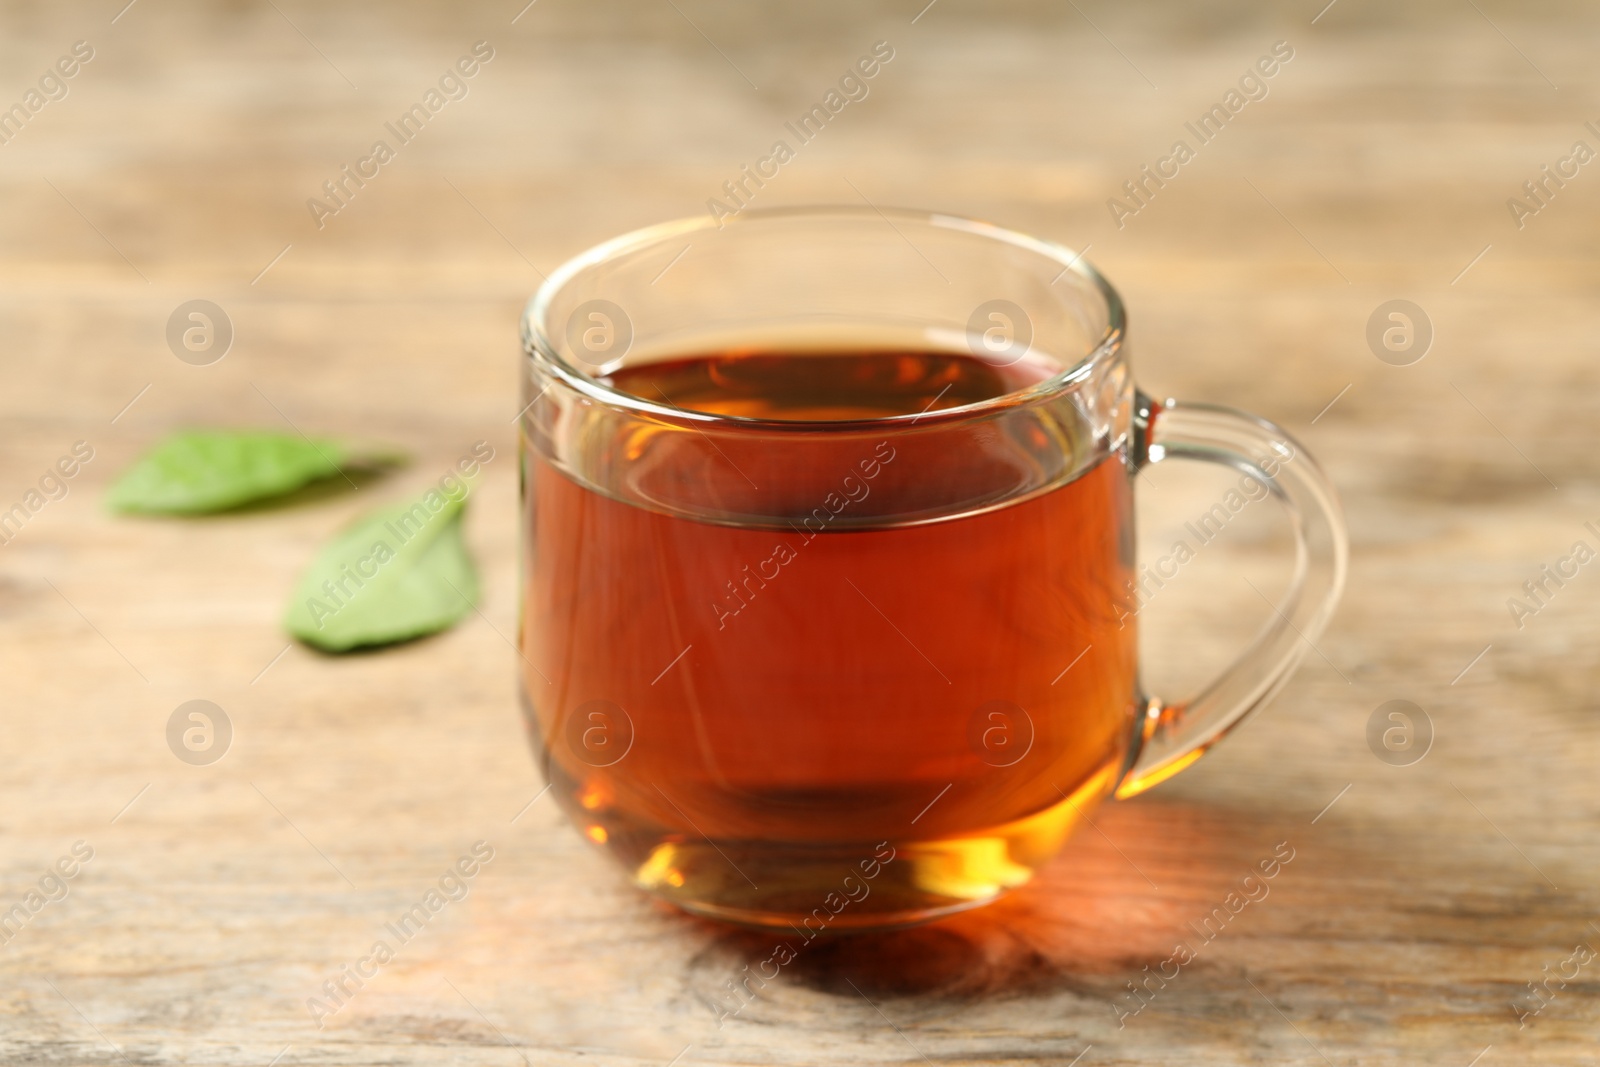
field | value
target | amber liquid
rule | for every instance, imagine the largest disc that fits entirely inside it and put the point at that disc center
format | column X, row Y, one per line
column 829, row 722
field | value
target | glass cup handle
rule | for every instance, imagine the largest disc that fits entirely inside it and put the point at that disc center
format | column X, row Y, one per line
column 1169, row 737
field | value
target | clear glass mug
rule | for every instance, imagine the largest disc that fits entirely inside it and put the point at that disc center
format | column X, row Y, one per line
column 860, row 671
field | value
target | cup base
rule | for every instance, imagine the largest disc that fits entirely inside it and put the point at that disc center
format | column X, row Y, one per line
column 841, row 925
column 815, row 888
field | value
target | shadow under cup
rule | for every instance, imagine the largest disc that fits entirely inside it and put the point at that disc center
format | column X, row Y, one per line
column 837, row 674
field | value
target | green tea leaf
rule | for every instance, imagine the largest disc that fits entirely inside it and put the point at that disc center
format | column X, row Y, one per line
column 395, row 574
column 198, row 471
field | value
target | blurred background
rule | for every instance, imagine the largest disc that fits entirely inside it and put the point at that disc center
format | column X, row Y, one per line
column 176, row 163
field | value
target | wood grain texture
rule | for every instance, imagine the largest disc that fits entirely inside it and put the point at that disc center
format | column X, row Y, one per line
column 220, row 898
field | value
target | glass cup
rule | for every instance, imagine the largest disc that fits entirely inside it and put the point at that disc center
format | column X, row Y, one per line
column 859, row 671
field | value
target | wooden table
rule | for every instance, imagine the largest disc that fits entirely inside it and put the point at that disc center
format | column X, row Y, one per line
column 1421, row 900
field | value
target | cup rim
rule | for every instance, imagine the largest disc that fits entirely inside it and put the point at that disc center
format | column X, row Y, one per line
column 537, row 344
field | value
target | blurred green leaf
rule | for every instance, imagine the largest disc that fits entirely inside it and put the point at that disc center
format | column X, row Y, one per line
column 398, row 573
column 194, row 472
